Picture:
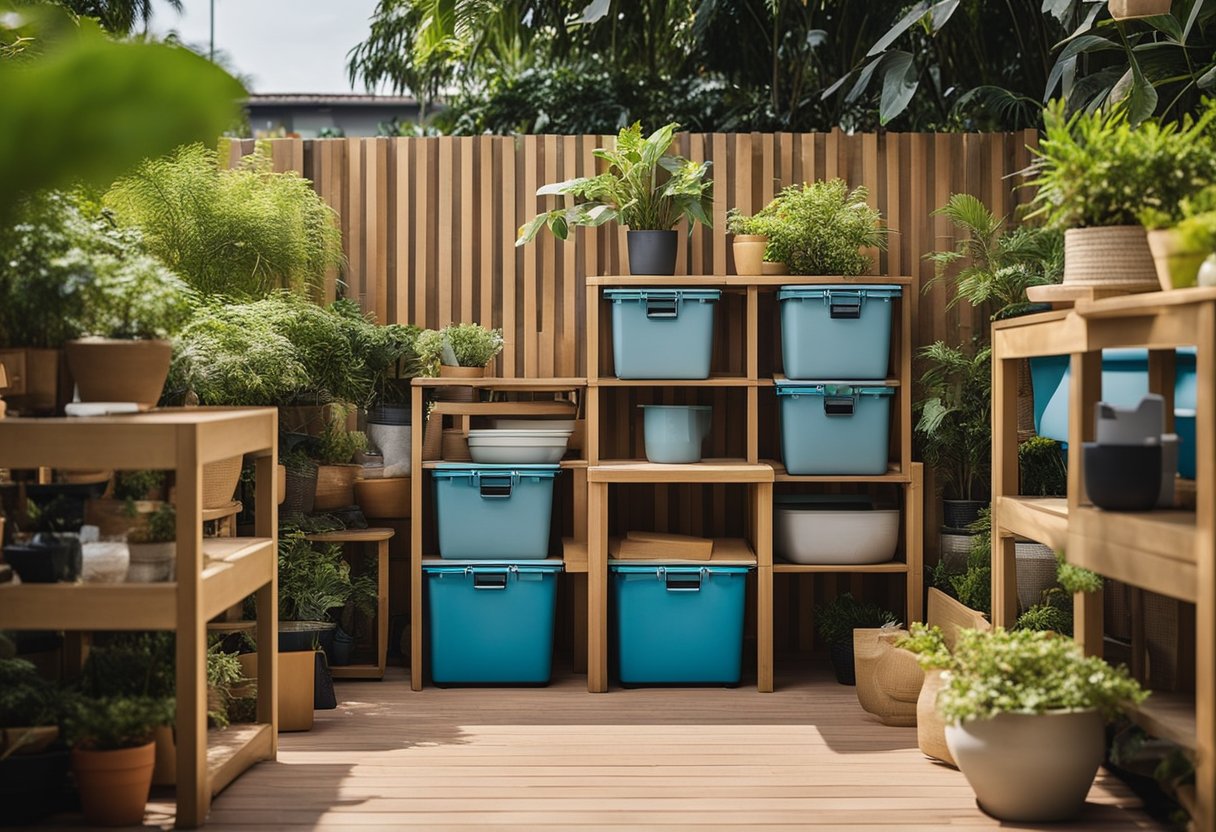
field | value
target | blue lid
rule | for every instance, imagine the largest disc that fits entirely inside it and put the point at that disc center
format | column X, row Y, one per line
column 449, row 470
column 865, row 290
column 634, row 568
column 834, row 388
column 825, row 502
column 655, row 293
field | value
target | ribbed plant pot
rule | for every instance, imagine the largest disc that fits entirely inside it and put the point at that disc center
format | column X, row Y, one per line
column 1114, row 257
column 1036, row 565
column 114, row 785
column 220, row 479
column 960, row 514
column 300, row 491
column 114, row 370
column 652, row 252
column 459, row 394
column 1177, row 265
column 1030, row 768
column 749, row 253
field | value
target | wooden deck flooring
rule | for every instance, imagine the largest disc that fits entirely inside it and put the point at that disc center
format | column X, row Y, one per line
column 804, row 757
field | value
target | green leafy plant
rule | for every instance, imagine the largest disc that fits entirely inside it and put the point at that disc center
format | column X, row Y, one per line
column 117, row 722
column 643, row 188
column 336, row 445
column 1052, row 614
column 130, row 665
column 1097, row 169
column 472, row 345
column 1041, row 465
column 159, row 527
column 837, row 619
column 738, row 223
column 970, row 584
column 315, row 579
column 26, row 698
column 1029, row 672
column 954, row 416
column 928, row 644
column 239, row 232
column 144, row 484
column 821, row 228
column 223, row 674
column 992, row 266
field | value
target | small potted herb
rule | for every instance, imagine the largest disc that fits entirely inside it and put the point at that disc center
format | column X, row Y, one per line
column 820, row 228
column 1025, row 719
column 749, row 244
column 334, row 451
column 836, row 622
column 1181, row 242
column 153, row 546
column 457, row 351
column 644, row 188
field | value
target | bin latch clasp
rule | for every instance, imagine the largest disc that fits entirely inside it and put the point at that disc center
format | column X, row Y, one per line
column 843, row 305
column 681, row 581
column 489, row 580
column 839, row 401
column 495, row 486
column 662, row 308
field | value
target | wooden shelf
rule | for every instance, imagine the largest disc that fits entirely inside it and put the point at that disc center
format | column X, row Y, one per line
column 712, row 381
column 708, row 471
column 1154, row 550
column 233, row 749
column 516, row 385
column 893, row 475
column 554, row 408
column 744, row 281
column 1168, row 716
column 574, row 555
column 372, row 535
column 431, row 464
column 888, row 568
column 728, row 551
column 357, row 671
column 1041, row 519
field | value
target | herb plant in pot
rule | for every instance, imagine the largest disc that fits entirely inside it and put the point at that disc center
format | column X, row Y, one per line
column 458, row 351
column 1096, row 172
column 334, row 451
column 1180, row 246
column 153, row 547
column 1025, row 714
column 820, row 228
column 33, row 763
column 836, row 622
column 644, row 188
column 749, row 244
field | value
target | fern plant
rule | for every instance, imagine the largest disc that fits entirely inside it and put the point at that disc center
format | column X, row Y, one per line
column 315, row 579
column 954, row 422
column 239, row 232
column 820, row 228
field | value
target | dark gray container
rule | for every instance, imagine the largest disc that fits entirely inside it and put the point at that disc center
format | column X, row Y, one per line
column 652, row 252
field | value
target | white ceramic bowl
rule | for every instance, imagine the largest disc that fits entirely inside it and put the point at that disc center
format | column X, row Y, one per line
column 518, row 447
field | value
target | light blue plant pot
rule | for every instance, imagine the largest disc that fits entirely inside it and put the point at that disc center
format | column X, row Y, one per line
column 674, row 433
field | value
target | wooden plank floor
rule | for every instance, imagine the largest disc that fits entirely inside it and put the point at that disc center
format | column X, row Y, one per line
column 804, row 757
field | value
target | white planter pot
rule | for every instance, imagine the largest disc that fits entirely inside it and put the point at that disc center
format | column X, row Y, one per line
column 1030, row 768
column 394, row 442
column 151, row 562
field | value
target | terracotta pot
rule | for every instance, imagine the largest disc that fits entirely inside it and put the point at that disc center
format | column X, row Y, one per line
column 335, row 486
column 296, row 674
column 1177, row 266
column 749, row 253
column 113, row 370
column 220, row 480
column 280, row 475
column 1114, row 257
column 1123, row 9
column 114, row 785
column 770, row 268
column 930, row 727
column 1030, row 768
column 384, row 499
column 888, row 679
column 459, row 394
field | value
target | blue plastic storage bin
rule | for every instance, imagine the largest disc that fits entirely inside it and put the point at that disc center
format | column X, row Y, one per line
column 662, row 333
column 494, row 512
column 491, row 622
column 1124, row 382
column 678, row 624
column 835, row 331
column 835, row 427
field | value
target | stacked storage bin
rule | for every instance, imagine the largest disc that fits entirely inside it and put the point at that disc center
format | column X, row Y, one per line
column 490, row 600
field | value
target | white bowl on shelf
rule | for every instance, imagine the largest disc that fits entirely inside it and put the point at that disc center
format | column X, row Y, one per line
column 518, row 447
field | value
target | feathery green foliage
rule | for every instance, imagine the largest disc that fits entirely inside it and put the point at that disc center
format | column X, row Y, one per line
column 837, row 619
column 26, row 698
column 336, row 445
column 820, row 228
column 954, row 416
column 240, row 232
column 117, row 722
column 315, row 579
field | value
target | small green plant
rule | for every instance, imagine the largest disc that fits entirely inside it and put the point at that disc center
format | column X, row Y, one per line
column 336, row 445
column 26, row 698
column 929, row 646
column 738, row 223
column 1041, row 465
column 837, row 619
column 954, row 423
column 971, row 584
column 1094, row 168
column 821, row 228
column 143, row 484
column 315, row 579
column 159, row 527
column 223, row 674
column 1029, row 672
column 643, row 188
column 472, row 345
column 118, row 722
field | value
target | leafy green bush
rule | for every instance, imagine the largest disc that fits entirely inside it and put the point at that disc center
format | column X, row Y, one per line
column 143, row 484
column 26, row 698
column 928, row 644
column 240, row 232
column 1030, row 672
column 954, row 423
column 473, row 345
column 1052, row 614
column 117, row 722
column 820, row 228
column 336, row 445
column 1094, row 168
column 314, row 579
column 160, row 526
column 130, row 665
column 837, row 619
column 1042, row 468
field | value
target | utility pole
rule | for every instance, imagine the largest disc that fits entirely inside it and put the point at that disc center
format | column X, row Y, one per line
column 211, row 53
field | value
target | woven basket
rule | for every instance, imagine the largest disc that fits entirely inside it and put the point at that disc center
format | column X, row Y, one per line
column 1115, row 257
column 954, row 550
column 1036, row 566
column 888, row 678
column 1117, row 609
column 1161, row 639
column 220, row 480
column 301, row 492
column 930, row 727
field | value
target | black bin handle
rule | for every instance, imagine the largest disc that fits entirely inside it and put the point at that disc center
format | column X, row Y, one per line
column 489, row 580
column 838, row 405
column 662, row 308
column 683, row 582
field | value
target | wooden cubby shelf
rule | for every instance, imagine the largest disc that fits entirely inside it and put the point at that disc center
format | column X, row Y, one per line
column 893, row 475
column 888, row 568
column 728, row 551
column 706, row 471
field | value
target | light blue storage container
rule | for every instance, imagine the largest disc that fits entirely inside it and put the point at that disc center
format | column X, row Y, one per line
column 662, row 333
column 835, row 427
column 678, row 624
column 491, row 622
column 836, row 331
column 674, row 432
column 494, row 512
column 1124, row 383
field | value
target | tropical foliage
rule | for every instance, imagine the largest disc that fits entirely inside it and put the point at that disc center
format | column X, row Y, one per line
column 954, row 416
column 837, row 619
column 315, row 579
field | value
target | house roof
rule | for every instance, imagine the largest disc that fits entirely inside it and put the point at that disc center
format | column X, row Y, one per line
column 294, row 99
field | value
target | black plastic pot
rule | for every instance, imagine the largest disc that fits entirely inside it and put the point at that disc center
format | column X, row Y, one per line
column 298, row 636
column 652, row 252
column 1123, row 477
column 389, row 414
column 47, row 558
column 959, row 514
column 842, row 663
column 323, row 696
column 344, row 648
column 32, row 786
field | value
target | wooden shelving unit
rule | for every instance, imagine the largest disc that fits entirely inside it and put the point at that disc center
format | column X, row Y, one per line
column 574, row 548
column 212, row 575
column 1170, row 552
column 738, row 373
column 367, row 537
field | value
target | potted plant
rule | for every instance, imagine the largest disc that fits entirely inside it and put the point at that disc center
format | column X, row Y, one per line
column 1025, row 714
column 134, row 497
column 821, row 228
column 644, row 188
column 457, row 351
column 334, row 450
column 1180, row 246
column 314, row 579
column 749, row 244
column 954, row 426
column 1095, row 172
column 153, row 547
column 836, row 622
column 33, row 763
column 113, row 755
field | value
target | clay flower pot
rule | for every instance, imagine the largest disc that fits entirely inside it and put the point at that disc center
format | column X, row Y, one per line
column 1177, row 266
column 335, row 487
column 749, row 253
column 459, row 394
column 113, row 370
column 114, row 785
column 770, row 268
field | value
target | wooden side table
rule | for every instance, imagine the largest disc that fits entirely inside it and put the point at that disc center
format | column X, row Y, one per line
column 380, row 537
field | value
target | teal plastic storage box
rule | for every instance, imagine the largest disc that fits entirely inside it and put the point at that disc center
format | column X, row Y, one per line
column 494, row 512
column 491, row 622
column 678, row 624
column 836, row 331
column 835, row 427
column 1124, row 383
column 662, row 333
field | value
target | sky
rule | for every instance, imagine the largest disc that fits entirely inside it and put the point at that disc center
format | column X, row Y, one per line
column 280, row 45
